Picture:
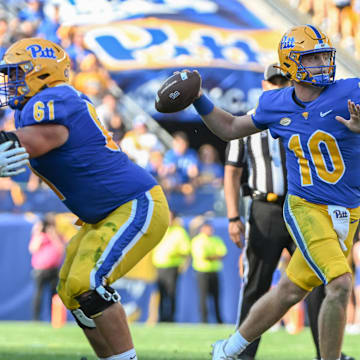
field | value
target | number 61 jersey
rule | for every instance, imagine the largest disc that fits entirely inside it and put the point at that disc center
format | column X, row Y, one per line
column 322, row 155
column 89, row 172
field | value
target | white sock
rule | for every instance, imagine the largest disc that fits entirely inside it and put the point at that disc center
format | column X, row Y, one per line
column 236, row 344
column 128, row 355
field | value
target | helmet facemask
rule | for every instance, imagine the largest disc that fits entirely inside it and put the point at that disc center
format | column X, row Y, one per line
column 29, row 66
column 305, row 74
column 300, row 41
column 13, row 87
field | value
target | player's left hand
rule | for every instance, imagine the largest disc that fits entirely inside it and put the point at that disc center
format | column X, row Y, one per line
column 13, row 161
column 353, row 123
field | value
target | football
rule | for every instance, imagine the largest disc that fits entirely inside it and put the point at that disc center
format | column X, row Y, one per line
column 178, row 92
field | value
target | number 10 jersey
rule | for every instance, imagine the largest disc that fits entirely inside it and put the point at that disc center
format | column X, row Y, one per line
column 322, row 155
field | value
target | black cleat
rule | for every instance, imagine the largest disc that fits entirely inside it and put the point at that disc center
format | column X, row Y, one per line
column 342, row 357
column 346, row 357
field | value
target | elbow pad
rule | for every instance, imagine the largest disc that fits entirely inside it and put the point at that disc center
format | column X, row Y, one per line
column 10, row 136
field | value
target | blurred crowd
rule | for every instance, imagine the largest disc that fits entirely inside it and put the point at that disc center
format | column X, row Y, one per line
column 340, row 19
column 179, row 168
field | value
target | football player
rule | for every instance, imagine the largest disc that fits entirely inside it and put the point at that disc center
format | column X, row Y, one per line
column 321, row 210
column 123, row 211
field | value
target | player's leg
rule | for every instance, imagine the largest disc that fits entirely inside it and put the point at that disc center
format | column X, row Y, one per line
column 268, row 310
column 266, row 238
column 96, row 340
column 313, row 305
column 332, row 317
column 320, row 258
column 142, row 235
column 107, row 251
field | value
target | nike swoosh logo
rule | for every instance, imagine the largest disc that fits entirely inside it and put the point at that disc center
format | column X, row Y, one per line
column 325, row 113
column 354, row 221
column 134, row 357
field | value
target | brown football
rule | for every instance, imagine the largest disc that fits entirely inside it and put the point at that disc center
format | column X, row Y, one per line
column 178, row 92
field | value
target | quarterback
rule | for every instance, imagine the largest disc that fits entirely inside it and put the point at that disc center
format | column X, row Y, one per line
column 122, row 211
column 321, row 210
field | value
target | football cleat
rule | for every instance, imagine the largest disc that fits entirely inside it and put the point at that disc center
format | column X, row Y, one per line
column 343, row 357
column 346, row 357
column 300, row 41
column 218, row 351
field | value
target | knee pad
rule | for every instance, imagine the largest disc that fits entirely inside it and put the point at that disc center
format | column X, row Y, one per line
column 92, row 304
column 96, row 301
column 82, row 320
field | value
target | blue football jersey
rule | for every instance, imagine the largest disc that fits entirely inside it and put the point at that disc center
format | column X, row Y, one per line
column 322, row 155
column 90, row 173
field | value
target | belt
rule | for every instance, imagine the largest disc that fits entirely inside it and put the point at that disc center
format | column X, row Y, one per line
column 268, row 197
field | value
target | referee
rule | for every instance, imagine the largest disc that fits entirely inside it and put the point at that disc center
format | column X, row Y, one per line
column 266, row 233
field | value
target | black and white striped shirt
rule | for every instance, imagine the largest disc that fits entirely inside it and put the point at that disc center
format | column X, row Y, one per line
column 265, row 158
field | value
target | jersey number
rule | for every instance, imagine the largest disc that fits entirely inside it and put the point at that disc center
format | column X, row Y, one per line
column 39, row 110
column 317, row 143
column 110, row 143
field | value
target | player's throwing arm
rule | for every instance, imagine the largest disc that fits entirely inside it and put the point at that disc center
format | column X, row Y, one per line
column 184, row 88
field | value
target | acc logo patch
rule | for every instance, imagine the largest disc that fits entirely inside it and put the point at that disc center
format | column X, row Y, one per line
column 285, row 121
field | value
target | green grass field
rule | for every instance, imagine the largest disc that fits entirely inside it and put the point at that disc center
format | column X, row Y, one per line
column 39, row 341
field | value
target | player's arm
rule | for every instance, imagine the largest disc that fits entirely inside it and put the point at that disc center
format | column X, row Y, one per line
column 223, row 124
column 40, row 139
column 232, row 178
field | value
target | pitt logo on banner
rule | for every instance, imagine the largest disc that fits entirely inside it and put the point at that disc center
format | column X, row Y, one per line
column 158, row 43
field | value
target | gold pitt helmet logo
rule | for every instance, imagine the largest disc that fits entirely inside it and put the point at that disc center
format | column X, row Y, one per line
column 285, row 121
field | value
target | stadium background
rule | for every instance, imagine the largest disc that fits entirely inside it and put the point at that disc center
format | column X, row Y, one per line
column 138, row 44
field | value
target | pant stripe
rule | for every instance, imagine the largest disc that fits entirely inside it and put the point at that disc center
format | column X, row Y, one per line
column 131, row 244
column 124, row 239
column 296, row 234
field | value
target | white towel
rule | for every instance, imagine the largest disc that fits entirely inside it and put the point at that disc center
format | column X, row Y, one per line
column 340, row 217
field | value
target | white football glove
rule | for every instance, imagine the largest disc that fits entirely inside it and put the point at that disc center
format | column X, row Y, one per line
column 13, row 161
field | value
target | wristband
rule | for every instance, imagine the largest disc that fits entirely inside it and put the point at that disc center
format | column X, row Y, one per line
column 203, row 105
column 233, row 219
